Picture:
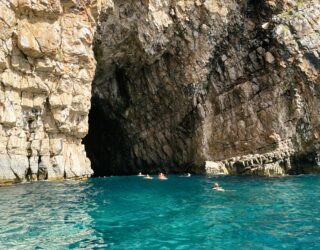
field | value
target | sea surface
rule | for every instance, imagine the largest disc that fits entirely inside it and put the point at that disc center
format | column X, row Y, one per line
column 179, row 213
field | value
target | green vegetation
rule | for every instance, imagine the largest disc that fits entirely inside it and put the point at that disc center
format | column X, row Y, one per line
column 293, row 11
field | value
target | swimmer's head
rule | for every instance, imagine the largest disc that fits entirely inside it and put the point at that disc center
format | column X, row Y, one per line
column 216, row 184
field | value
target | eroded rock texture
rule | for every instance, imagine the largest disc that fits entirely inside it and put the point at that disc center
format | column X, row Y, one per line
column 223, row 86
column 46, row 68
column 234, row 82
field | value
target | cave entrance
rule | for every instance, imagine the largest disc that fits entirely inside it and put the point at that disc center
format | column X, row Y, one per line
column 104, row 144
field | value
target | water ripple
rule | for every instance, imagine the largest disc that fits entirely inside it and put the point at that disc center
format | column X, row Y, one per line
column 180, row 213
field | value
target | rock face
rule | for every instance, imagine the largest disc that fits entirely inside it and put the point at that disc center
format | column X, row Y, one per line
column 221, row 86
column 46, row 69
column 233, row 82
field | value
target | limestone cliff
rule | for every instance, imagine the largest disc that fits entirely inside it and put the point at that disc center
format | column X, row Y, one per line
column 46, row 69
column 178, row 83
column 233, row 82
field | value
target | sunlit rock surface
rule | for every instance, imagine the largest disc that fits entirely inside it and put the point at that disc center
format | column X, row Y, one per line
column 46, row 69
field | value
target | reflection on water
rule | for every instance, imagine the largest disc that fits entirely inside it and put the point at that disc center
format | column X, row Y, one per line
column 180, row 213
column 48, row 214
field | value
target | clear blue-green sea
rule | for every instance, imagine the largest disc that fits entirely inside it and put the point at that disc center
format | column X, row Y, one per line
column 179, row 213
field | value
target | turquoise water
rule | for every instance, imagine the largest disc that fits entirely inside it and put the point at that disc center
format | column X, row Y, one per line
column 180, row 213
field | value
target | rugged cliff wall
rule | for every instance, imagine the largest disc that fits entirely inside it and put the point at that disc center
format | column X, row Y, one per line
column 46, row 69
column 184, row 82
column 178, row 83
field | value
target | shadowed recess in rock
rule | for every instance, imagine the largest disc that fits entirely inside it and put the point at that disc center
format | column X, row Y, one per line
column 105, row 144
column 227, row 82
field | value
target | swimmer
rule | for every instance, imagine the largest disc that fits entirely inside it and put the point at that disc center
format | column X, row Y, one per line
column 140, row 174
column 161, row 176
column 185, row 175
column 148, row 177
column 217, row 187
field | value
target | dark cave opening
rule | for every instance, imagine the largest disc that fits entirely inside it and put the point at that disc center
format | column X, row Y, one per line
column 261, row 10
column 305, row 163
column 105, row 144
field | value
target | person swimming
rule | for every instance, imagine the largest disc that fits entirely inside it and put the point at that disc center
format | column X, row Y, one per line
column 217, row 187
column 148, row 177
column 140, row 174
column 161, row 176
column 185, row 175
